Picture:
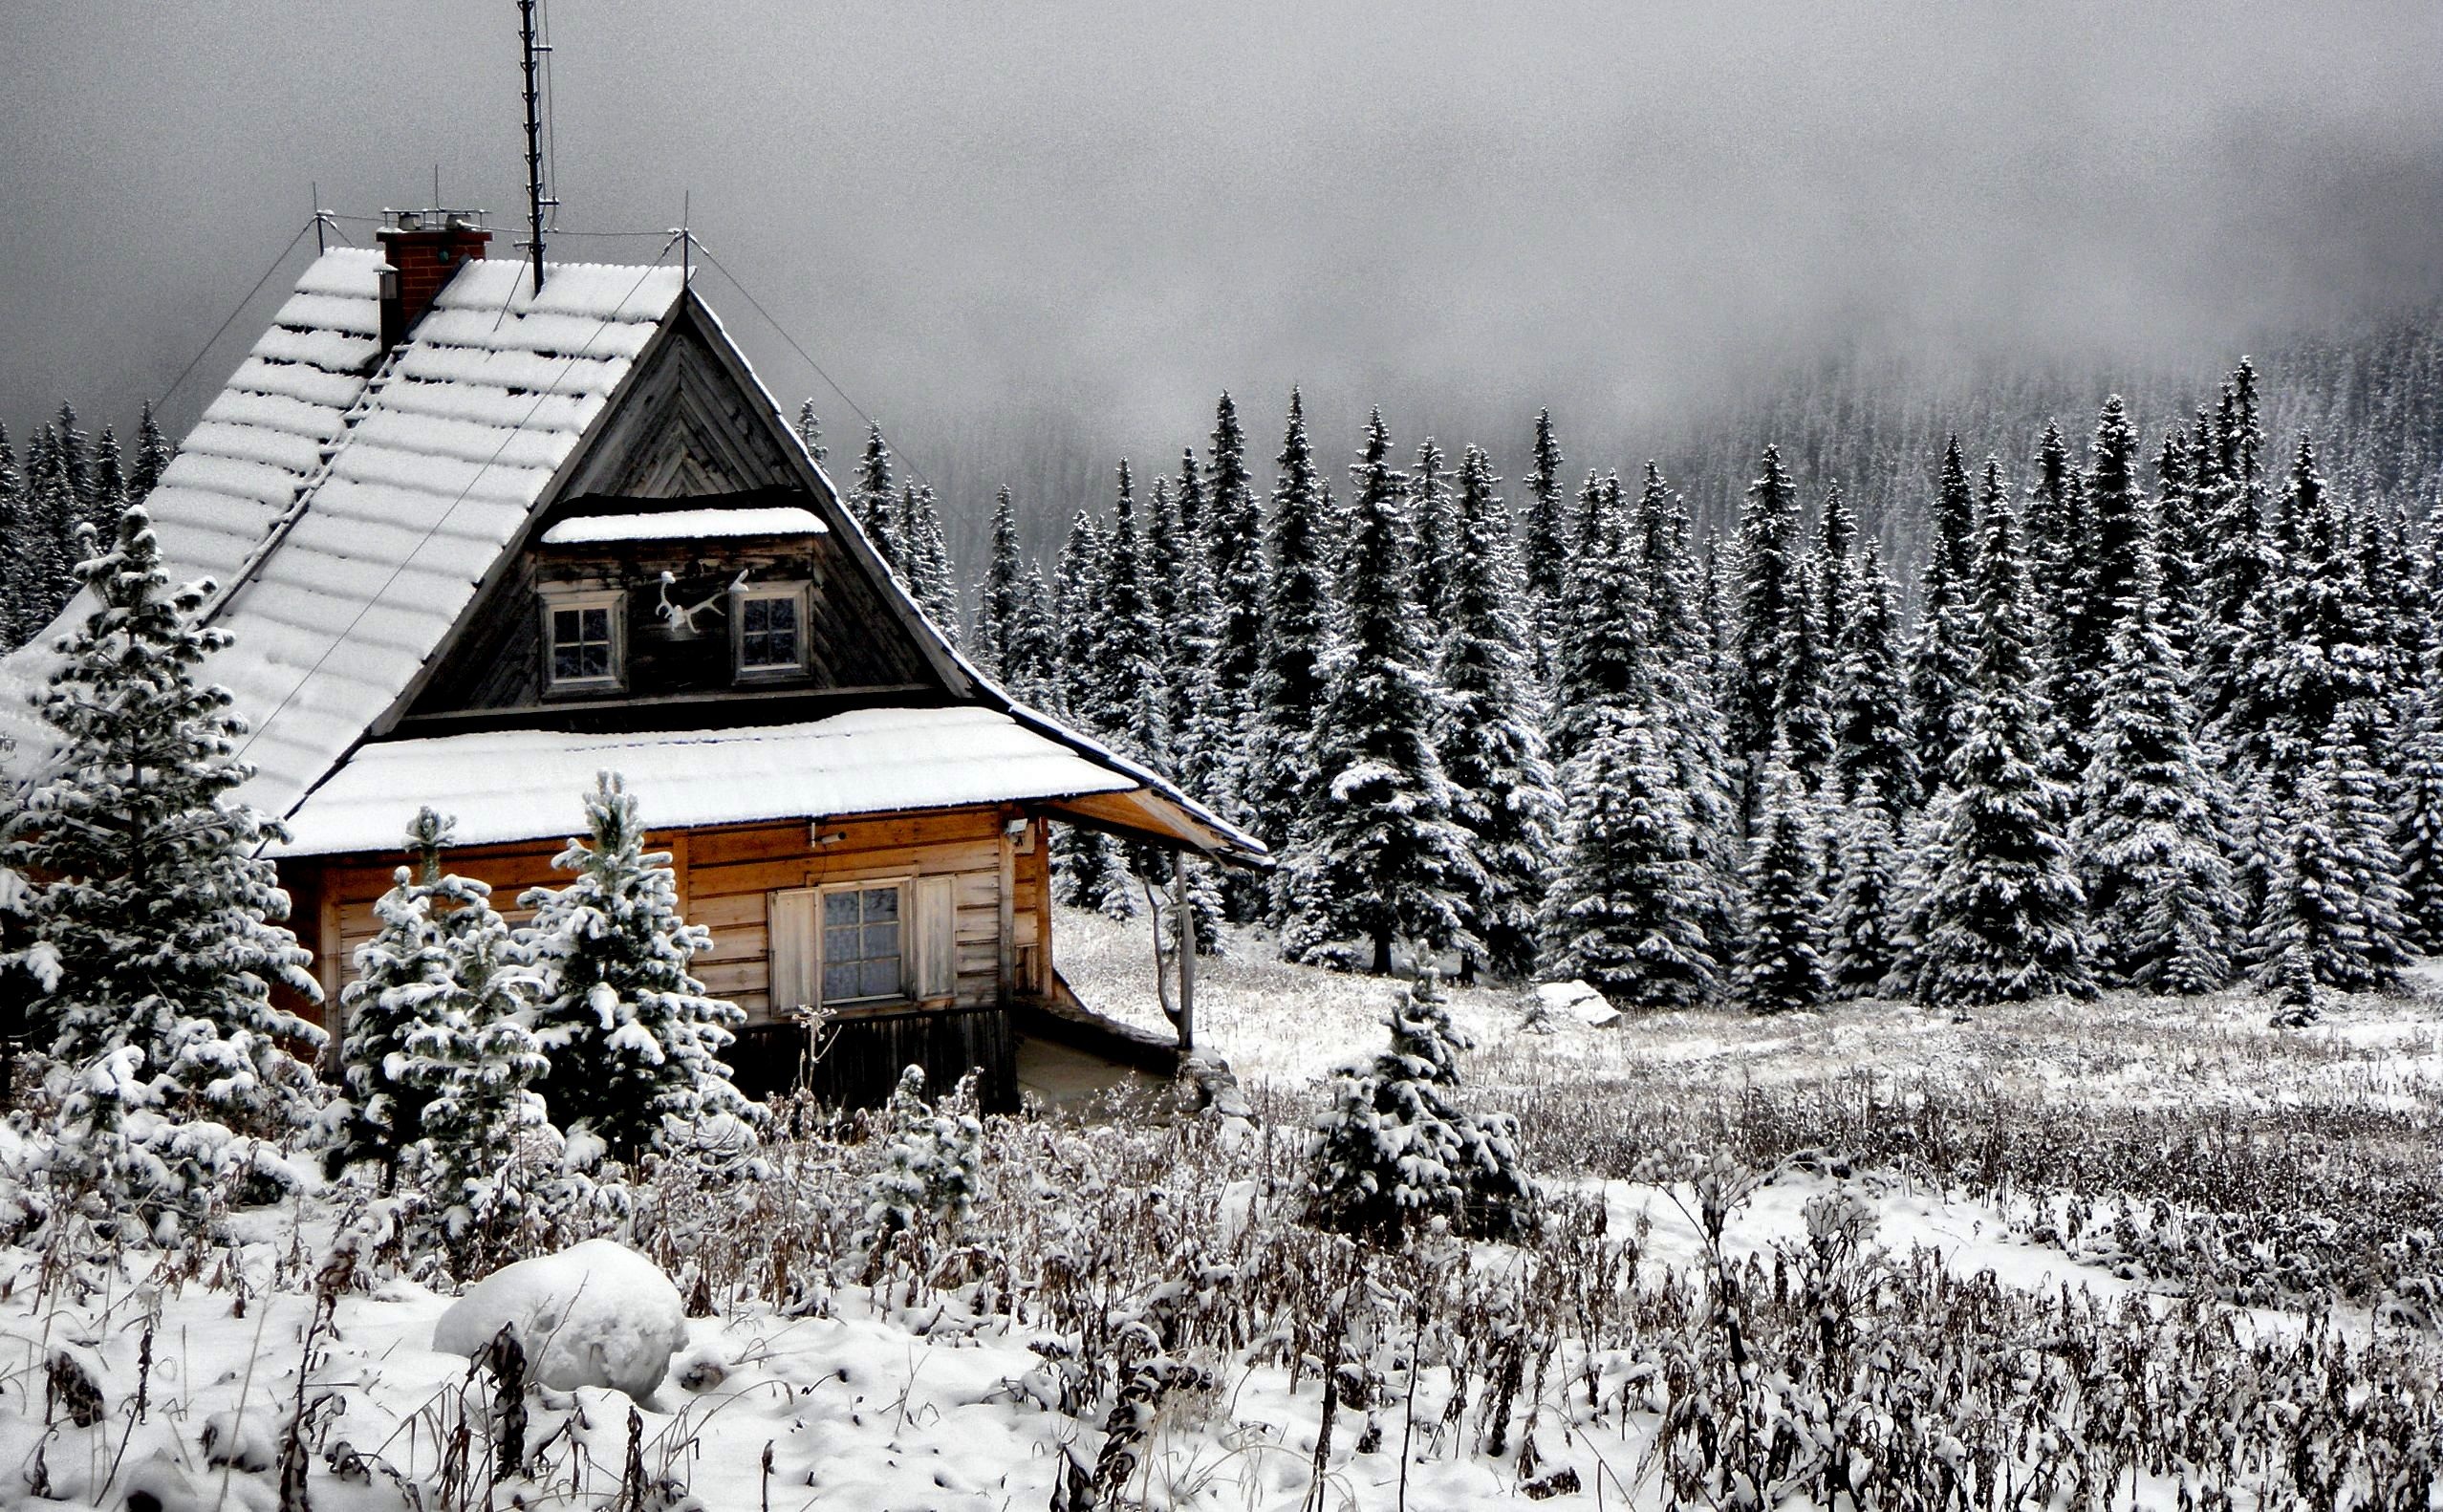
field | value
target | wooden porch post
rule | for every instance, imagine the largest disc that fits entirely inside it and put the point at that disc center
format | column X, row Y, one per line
column 1184, row 922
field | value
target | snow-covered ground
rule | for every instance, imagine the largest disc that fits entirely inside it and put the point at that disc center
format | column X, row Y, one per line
column 2014, row 1167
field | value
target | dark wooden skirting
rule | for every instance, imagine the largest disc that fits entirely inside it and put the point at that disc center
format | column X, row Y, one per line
column 1064, row 1020
column 862, row 1057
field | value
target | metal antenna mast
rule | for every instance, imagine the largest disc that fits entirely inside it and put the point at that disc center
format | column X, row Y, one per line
column 535, row 198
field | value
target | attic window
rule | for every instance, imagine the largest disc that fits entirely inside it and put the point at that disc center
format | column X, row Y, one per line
column 581, row 639
column 770, row 621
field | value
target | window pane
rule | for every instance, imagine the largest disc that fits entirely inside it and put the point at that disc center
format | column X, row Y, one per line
column 564, row 626
column 597, row 625
column 839, row 981
column 880, row 940
column 783, row 649
column 565, row 660
column 758, row 615
column 881, row 979
column 597, row 660
column 840, row 944
column 839, row 908
column 881, row 903
column 782, row 611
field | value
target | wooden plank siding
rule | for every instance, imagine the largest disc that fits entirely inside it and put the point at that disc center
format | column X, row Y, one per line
column 725, row 875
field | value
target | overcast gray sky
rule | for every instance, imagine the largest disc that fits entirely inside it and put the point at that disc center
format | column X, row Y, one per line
column 976, row 214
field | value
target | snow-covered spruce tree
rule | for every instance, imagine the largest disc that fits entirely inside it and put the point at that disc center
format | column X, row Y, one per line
column 1678, row 671
column 158, row 927
column 403, row 973
column 1298, row 614
column 1601, row 660
column 874, row 503
column 924, row 561
column 1160, row 570
column 153, row 453
column 1502, row 788
column 997, row 605
column 2179, row 541
column 1870, row 694
column 1435, row 524
column 2417, row 835
column 2150, row 834
column 1379, row 858
column 1781, row 953
column 2243, row 557
column 1863, row 934
column 1234, row 554
column 1395, row 1150
column 1122, row 668
column 16, row 610
column 930, row 1169
column 1802, row 715
column 2117, row 525
column 1836, row 579
column 1630, row 893
column 1942, row 651
column 2309, row 648
column 2055, row 525
column 1544, row 551
column 488, row 1159
column 810, row 432
column 634, row 1044
column 2315, row 906
column 1772, row 596
column 47, row 550
column 2004, row 915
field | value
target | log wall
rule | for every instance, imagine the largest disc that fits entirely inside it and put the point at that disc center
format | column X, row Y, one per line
column 725, row 875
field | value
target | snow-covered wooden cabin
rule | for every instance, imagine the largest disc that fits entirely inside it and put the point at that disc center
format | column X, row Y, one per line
column 476, row 544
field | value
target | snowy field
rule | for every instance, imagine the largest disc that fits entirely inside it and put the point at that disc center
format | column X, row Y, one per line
column 2139, row 1253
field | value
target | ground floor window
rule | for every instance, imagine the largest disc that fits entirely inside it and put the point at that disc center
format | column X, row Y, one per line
column 845, row 944
column 861, row 940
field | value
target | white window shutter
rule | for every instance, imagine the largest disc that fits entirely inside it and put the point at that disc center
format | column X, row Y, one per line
column 937, row 927
column 789, row 920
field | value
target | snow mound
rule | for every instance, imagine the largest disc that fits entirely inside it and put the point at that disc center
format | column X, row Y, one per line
column 1575, row 1000
column 595, row 1315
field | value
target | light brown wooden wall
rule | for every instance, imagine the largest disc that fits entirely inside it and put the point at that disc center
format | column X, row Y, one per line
column 725, row 876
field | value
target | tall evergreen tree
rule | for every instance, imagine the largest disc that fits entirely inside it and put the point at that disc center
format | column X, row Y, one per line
column 106, row 484
column 2335, row 896
column 1297, row 618
column 1381, row 859
column 1126, row 675
column 1871, row 713
column 16, row 614
column 2309, row 647
column 1771, row 595
column 2242, row 556
column 2057, row 531
column 1626, row 901
column 1681, row 689
column 810, row 432
column 1548, row 526
column 1234, row 552
column 2004, row 909
column 2150, row 833
column 1802, row 715
column 1077, row 617
column 924, row 560
column 997, row 607
column 876, row 504
column 1942, row 651
column 1601, row 660
column 1781, row 953
column 634, row 1043
column 153, row 452
column 2179, row 541
column 2417, row 835
column 157, row 933
column 1162, row 563
column 1836, row 581
column 1437, row 530
column 47, row 552
column 1864, row 923
column 1502, row 788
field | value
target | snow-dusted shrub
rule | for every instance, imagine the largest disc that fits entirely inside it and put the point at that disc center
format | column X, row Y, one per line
column 930, row 1166
column 593, row 1314
column 1395, row 1149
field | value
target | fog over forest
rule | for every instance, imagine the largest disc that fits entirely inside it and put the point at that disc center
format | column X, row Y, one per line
column 1028, row 240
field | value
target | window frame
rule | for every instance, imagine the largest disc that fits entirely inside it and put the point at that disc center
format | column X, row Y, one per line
column 613, row 603
column 905, row 991
column 800, row 597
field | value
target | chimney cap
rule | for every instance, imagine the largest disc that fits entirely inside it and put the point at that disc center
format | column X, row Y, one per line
column 433, row 218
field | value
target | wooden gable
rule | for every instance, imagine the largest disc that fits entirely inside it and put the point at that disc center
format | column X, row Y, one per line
column 689, row 430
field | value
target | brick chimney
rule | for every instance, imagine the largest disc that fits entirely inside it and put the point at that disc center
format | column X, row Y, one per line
column 422, row 249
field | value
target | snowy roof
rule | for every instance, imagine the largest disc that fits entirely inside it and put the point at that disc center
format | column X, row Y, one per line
column 388, row 490
column 527, row 785
column 683, row 525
